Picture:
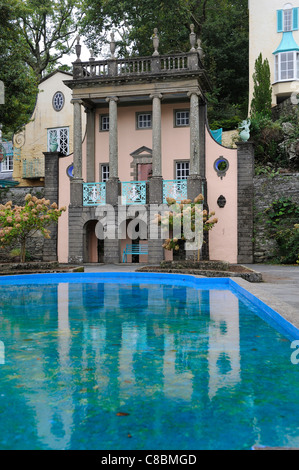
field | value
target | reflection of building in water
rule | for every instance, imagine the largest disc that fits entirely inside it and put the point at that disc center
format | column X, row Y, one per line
column 54, row 422
column 177, row 384
column 110, row 348
column 224, row 341
column 2, row 353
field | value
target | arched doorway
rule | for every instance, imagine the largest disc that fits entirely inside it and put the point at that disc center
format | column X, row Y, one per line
column 134, row 232
column 93, row 248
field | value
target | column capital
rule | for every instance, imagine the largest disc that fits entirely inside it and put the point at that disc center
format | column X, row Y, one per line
column 156, row 95
column 76, row 101
column 193, row 92
column 112, row 98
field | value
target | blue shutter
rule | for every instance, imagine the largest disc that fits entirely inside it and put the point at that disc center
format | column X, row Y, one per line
column 295, row 19
column 279, row 21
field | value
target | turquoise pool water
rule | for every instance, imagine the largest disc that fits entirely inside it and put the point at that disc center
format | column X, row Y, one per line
column 108, row 363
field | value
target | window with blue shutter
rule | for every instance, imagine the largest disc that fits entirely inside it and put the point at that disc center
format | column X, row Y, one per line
column 295, row 18
column 279, row 21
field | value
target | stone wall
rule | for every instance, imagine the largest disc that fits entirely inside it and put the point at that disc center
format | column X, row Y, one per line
column 267, row 190
column 35, row 245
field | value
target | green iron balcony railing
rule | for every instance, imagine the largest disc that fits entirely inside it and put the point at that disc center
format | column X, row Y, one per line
column 94, row 194
column 133, row 192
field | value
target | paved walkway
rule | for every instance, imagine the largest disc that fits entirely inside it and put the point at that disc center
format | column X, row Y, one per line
column 280, row 289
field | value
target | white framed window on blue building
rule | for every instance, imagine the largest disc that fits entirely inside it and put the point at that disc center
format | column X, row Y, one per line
column 287, row 18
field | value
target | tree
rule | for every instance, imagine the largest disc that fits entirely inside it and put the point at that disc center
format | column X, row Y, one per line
column 47, row 29
column 19, row 223
column 222, row 25
column 262, row 91
column 19, row 80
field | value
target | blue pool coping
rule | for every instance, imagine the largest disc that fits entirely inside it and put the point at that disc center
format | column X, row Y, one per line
column 267, row 313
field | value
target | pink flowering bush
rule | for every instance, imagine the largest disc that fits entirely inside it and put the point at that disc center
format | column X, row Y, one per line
column 19, row 223
column 186, row 208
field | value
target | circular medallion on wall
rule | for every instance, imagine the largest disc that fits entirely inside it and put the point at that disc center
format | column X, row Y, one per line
column 58, row 101
column 221, row 166
column 70, row 170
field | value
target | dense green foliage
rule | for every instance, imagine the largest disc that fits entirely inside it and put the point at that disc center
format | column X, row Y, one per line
column 273, row 140
column 34, row 35
column 19, row 81
column 282, row 220
column 47, row 30
column 262, row 90
column 221, row 25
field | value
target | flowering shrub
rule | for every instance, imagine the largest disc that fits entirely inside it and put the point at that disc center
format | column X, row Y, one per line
column 288, row 245
column 19, row 223
column 189, row 210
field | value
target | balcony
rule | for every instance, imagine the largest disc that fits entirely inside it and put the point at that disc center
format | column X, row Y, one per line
column 94, row 194
column 176, row 189
column 133, row 192
column 122, row 69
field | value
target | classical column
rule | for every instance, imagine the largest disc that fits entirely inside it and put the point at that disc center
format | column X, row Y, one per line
column 156, row 151
column 155, row 250
column 77, row 139
column 76, row 182
column 156, row 182
column 113, row 137
column 196, row 180
column 90, row 146
column 194, row 134
column 112, row 185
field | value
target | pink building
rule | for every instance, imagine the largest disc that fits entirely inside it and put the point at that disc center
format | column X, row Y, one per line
column 146, row 138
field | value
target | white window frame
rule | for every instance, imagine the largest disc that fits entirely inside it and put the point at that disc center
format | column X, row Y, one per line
column 59, row 133
column 182, row 169
column 284, row 58
column 182, row 118
column 144, row 120
column 104, row 122
column 288, row 18
column 7, row 164
column 104, row 172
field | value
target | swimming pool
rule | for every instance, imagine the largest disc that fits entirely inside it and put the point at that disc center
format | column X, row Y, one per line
column 142, row 361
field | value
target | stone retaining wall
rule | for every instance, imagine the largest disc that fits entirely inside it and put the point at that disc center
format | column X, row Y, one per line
column 35, row 245
column 267, row 190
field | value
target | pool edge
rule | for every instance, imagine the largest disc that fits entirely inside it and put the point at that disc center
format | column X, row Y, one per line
column 280, row 312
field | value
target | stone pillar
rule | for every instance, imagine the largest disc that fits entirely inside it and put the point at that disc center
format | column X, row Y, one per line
column 156, row 182
column 196, row 181
column 113, row 185
column 156, row 155
column 76, row 196
column 245, row 154
column 51, row 193
column 113, row 137
column 194, row 134
column 90, row 146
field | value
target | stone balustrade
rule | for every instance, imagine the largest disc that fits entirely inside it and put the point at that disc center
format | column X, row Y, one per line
column 136, row 66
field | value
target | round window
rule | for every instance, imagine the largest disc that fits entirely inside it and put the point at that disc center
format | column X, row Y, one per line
column 221, row 166
column 70, row 171
column 58, row 101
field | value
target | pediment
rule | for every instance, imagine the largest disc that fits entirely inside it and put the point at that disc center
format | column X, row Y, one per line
column 142, row 151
